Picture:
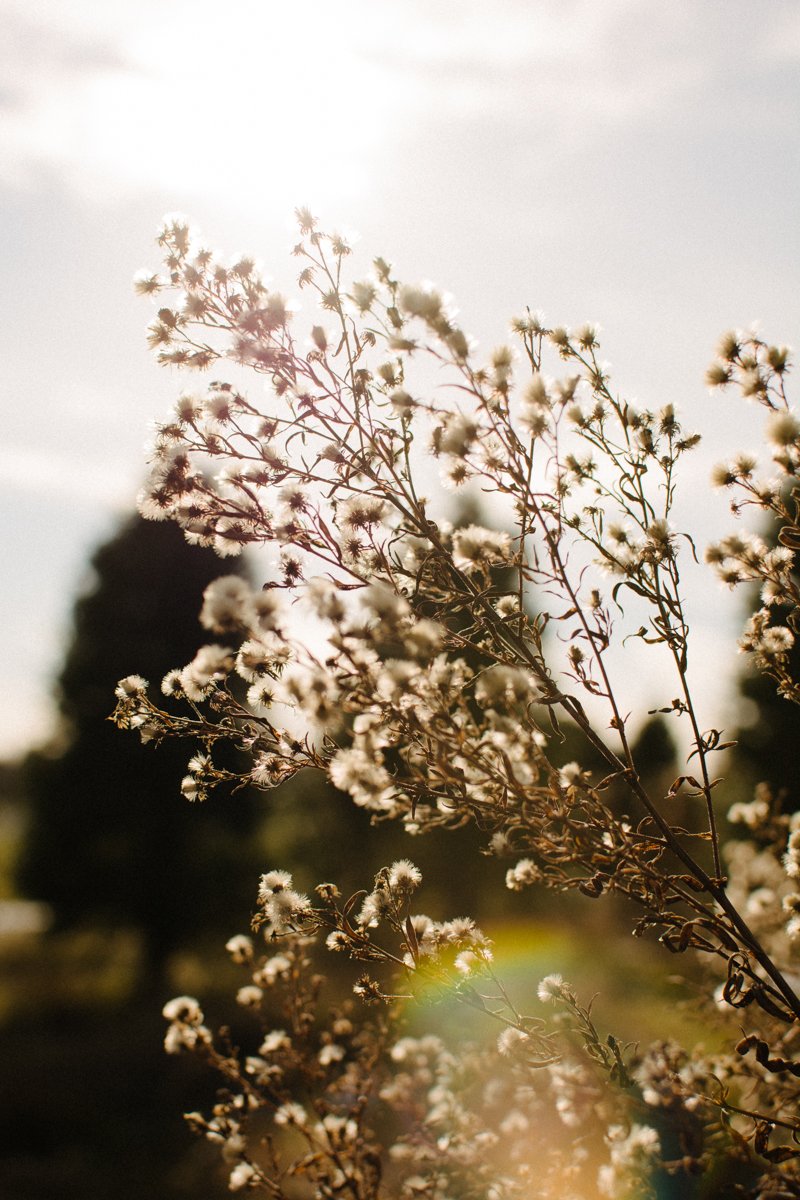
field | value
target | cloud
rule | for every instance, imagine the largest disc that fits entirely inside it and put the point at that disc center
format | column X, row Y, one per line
column 38, row 61
column 45, row 472
column 256, row 103
column 242, row 102
column 578, row 68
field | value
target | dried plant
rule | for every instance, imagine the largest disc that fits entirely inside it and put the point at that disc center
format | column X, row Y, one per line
column 403, row 657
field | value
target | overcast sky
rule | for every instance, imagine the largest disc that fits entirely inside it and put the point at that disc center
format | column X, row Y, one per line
column 624, row 161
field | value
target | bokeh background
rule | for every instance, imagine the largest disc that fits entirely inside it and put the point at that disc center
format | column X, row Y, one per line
column 622, row 161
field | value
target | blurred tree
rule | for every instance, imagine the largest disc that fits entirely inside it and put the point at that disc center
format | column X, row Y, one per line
column 111, row 840
column 656, row 754
column 767, row 740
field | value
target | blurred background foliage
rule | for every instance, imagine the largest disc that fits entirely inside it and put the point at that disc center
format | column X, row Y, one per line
column 131, row 878
column 116, row 893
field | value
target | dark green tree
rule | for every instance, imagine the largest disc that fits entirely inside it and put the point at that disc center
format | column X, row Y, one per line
column 767, row 741
column 111, row 840
column 769, row 732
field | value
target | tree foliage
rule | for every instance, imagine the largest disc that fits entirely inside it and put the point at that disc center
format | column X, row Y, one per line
column 110, row 839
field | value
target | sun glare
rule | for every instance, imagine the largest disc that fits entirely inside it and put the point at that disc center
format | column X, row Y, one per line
column 251, row 105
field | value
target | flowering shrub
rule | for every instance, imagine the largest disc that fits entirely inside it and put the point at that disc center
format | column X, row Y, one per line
column 401, row 656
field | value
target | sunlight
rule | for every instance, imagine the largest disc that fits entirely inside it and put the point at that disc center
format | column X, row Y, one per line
column 253, row 105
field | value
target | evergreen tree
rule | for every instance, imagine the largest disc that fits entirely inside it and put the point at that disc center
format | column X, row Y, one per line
column 111, row 839
column 767, row 741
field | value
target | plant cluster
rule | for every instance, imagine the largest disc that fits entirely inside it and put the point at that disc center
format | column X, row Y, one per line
column 429, row 669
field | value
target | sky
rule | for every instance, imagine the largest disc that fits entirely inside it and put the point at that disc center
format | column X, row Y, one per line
column 622, row 161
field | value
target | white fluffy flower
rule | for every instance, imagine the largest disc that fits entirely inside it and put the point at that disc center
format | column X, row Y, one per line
column 249, row 996
column 476, row 548
column 522, row 875
column 183, row 1008
column 404, row 876
column 242, row 1175
column 551, row 988
column 226, row 604
column 291, row 1114
column 330, row 1053
column 131, row 685
column 511, row 1040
